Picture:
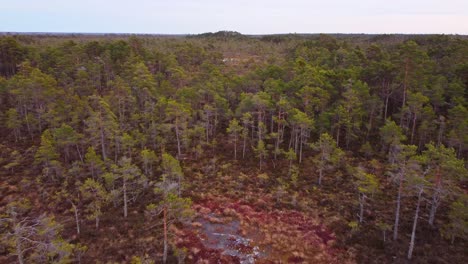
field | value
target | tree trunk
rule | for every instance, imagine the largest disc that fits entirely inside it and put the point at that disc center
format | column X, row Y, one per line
column 207, row 128
column 413, row 128
column 79, row 153
column 271, row 121
column 296, row 142
column 435, row 205
column 27, row 122
column 291, row 139
column 235, row 147
column 320, row 176
column 415, row 223
column 436, row 197
column 278, row 137
column 179, row 152
column 369, row 128
column 300, row 148
column 243, row 147
column 404, row 90
column 165, row 235
column 259, row 127
column 441, row 130
column 361, row 207
column 386, row 107
column 103, row 146
column 338, row 137
column 77, row 220
column 397, row 214
column 19, row 250
column 179, row 185
column 125, row 197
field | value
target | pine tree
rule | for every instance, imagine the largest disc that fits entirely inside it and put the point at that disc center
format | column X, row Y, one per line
column 234, row 130
column 95, row 197
column 328, row 157
column 367, row 185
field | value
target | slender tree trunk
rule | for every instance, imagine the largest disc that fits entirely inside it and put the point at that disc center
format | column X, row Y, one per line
column 97, row 222
column 371, row 117
column 320, row 176
column 460, row 147
column 125, row 197
column 441, row 131
column 67, row 153
column 179, row 187
column 386, row 107
column 253, row 130
column 435, row 205
column 207, row 128
column 145, row 163
column 321, row 167
column 19, row 249
column 215, row 124
column 165, row 235
column 348, row 135
column 282, row 133
column 397, row 214
column 235, row 147
column 179, row 152
column 404, row 89
column 413, row 128
column 361, row 207
column 300, row 148
column 413, row 233
column 435, row 197
column 271, row 121
column 276, row 147
column 296, row 142
column 338, row 137
column 103, row 146
column 243, row 146
column 16, row 134
column 291, row 138
column 28, row 126
column 79, row 153
column 77, row 220
column 259, row 125
column 40, row 118
column 117, row 149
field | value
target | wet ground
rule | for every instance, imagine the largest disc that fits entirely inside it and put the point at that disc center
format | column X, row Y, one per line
column 227, row 237
column 226, row 231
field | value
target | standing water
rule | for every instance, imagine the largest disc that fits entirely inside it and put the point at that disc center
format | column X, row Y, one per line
column 226, row 237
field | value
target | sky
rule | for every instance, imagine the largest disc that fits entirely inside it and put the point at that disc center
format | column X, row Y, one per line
column 245, row 16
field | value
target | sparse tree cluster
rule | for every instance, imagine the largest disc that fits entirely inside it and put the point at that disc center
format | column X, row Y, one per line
column 114, row 121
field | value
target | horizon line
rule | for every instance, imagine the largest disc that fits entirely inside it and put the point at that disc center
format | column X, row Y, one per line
column 207, row 32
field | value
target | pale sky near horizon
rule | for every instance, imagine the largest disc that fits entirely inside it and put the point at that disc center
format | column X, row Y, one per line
column 245, row 16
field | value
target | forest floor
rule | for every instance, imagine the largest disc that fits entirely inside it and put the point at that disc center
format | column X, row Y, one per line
column 236, row 219
column 241, row 215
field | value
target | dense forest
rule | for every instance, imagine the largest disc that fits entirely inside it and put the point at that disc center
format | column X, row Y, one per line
column 289, row 148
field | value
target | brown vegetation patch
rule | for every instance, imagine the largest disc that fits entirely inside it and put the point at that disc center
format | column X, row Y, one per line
column 282, row 235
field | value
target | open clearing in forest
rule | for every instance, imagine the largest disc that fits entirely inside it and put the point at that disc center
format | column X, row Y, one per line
column 233, row 230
